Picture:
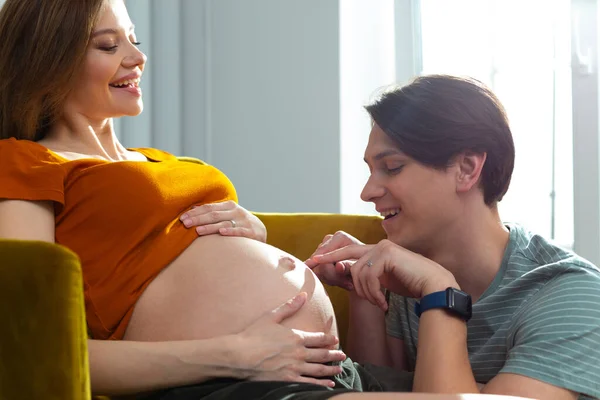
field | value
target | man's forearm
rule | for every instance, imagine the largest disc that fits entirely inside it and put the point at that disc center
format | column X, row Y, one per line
column 125, row 367
column 442, row 357
column 366, row 334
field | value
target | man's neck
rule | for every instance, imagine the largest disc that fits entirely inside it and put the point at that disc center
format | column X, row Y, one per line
column 473, row 249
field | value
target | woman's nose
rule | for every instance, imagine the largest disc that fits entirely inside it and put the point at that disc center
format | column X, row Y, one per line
column 136, row 58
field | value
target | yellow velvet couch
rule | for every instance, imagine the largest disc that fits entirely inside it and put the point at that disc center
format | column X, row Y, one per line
column 43, row 339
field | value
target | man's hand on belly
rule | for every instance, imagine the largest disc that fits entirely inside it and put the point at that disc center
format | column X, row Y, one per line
column 267, row 350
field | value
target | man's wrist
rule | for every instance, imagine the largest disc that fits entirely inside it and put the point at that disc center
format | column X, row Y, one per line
column 440, row 286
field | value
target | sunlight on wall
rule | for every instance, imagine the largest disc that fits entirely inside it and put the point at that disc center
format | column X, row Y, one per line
column 521, row 49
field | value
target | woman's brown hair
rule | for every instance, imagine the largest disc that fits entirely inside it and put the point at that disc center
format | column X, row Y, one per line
column 436, row 117
column 42, row 48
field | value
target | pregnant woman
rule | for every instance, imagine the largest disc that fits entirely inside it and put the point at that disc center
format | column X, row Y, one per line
column 165, row 306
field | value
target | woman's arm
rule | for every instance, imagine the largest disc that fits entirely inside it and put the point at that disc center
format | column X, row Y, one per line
column 27, row 220
column 124, row 367
column 265, row 350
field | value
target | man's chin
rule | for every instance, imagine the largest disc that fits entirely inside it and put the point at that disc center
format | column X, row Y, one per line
column 405, row 241
column 399, row 238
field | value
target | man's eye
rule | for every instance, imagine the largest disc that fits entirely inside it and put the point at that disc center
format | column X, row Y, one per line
column 394, row 170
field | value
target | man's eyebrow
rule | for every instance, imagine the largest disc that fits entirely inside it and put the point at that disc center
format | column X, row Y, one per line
column 384, row 154
column 109, row 31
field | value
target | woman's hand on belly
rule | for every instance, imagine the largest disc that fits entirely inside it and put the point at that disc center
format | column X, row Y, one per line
column 270, row 351
column 226, row 218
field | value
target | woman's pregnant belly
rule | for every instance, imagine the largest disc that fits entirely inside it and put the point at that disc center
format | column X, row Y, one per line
column 220, row 285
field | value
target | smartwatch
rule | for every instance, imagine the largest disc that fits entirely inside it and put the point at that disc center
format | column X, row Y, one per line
column 455, row 301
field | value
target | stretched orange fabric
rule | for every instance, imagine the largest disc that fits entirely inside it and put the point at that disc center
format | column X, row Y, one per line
column 120, row 218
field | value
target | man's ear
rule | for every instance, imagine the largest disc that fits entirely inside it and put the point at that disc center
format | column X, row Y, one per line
column 469, row 166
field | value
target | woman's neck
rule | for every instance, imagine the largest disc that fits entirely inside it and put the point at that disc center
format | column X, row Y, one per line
column 474, row 248
column 77, row 134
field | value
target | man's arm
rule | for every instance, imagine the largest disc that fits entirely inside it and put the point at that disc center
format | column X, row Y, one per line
column 443, row 364
column 368, row 341
column 555, row 353
column 519, row 385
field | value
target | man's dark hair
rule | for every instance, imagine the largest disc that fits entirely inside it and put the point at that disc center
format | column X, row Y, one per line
column 437, row 117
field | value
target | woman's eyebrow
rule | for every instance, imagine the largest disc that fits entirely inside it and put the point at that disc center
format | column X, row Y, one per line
column 111, row 31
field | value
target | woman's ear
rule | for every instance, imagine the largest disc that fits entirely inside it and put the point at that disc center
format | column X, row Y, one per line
column 469, row 166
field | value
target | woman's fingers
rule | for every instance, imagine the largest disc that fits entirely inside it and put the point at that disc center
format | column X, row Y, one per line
column 211, row 217
column 320, row 382
column 209, row 213
column 324, row 356
column 317, row 370
column 225, row 226
column 287, row 309
column 241, row 231
column 318, row 339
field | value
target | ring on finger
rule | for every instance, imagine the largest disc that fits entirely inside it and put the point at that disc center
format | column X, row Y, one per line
column 233, row 224
column 369, row 263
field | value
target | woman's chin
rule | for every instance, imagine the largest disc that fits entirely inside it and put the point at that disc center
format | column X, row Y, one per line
column 132, row 111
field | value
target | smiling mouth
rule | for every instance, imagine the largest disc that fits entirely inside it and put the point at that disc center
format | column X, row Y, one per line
column 390, row 213
column 129, row 83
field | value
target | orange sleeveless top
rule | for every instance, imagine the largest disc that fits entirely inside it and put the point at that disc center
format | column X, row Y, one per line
column 120, row 218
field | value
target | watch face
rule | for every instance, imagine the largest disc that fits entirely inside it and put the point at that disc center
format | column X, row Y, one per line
column 460, row 302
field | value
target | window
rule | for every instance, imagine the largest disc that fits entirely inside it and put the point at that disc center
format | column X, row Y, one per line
column 521, row 49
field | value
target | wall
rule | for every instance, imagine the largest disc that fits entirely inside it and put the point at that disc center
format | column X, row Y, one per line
column 367, row 62
column 269, row 91
column 259, row 89
column 586, row 144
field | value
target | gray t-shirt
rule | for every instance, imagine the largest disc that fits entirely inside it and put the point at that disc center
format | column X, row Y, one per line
column 540, row 318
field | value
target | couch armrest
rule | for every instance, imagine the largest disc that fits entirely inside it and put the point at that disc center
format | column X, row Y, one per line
column 300, row 234
column 43, row 339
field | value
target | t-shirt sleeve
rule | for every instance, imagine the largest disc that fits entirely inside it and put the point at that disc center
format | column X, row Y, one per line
column 557, row 337
column 29, row 172
column 393, row 323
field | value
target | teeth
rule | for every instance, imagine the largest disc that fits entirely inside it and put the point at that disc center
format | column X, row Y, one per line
column 135, row 82
column 393, row 211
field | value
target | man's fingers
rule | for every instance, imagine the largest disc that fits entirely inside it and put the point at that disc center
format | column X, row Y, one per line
column 343, row 267
column 310, row 263
column 331, row 275
column 373, row 289
column 324, row 247
column 319, row 339
column 288, row 308
column 325, row 239
column 354, row 251
column 331, row 243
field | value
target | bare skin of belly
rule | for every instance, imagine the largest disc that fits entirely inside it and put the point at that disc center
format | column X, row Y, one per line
column 220, row 285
